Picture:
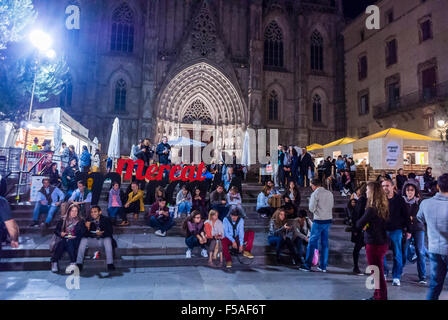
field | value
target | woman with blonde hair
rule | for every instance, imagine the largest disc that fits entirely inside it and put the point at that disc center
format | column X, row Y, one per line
column 214, row 232
column 377, row 242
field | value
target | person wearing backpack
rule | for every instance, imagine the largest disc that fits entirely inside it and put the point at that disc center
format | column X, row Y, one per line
column 236, row 237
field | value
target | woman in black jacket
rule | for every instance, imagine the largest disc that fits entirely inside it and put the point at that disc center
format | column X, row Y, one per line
column 373, row 222
column 53, row 173
column 357, row 233
column 70, row 230
column 412, row 198
column 292, row 191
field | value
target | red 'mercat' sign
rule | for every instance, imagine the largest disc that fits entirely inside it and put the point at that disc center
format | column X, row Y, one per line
column 155, row 172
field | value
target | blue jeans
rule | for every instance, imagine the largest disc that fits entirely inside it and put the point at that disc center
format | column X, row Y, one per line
column 319, row 231
column 184, row 207
column 39, row 208
column 162, row 225
column 420, row 250
column 439, row 267
column 193, row 241
column 275, row 241
column 113, row 212
column 397, row 268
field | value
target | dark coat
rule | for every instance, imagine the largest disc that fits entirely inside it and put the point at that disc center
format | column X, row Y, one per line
column 358, row 212
column 104, row 224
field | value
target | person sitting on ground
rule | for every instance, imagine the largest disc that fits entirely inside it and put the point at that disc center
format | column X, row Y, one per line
column 234, row 201
column 198, row 203
column 134, row 204
column 275, row 197
column 183, row 201
column 214, row 232
column 98, row 235
column 218, row 202
column 81, row 197
column 206, row 174
column 49, row 200
column 69, row 178
column 115, row 206
column 195, row 234
column 273, row 189
column 289, row 207
column 70, row 230
column 302, row 233
column 263, row 207
column 159, row 218
column 235, row 236
column 280, row 235
column 293, row 192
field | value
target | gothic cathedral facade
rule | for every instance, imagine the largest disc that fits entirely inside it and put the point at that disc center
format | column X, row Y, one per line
column 160, row 65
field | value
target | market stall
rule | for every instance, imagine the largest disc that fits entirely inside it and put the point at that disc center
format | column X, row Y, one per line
column 392, row 149
column 340, row 147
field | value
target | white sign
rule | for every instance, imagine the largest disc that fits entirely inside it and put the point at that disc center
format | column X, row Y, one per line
column 36, row 185
column 392, row 154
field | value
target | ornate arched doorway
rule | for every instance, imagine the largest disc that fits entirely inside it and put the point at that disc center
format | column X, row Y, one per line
column 202, row 93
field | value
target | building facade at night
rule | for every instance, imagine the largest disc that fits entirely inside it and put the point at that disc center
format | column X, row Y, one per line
column 398, row 76
column 160, row 65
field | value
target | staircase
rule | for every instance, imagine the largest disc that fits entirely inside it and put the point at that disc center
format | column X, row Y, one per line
column 138, row 246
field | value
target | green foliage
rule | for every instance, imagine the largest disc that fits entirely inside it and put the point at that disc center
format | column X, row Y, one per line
column 16, row 85
column 15, row 17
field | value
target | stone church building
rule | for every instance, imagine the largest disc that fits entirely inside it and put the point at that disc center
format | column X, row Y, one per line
column 159, row 65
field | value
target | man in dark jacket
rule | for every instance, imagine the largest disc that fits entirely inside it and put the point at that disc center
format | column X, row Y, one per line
column 397, row 223
column 163, row 151
column 305, row 163
column 280, row 166
column 98, row 235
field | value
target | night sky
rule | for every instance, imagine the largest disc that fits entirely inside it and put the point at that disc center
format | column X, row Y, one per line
column 353, row 8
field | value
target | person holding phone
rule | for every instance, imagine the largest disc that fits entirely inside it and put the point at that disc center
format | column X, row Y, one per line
column 98, row 235
column 280, row 235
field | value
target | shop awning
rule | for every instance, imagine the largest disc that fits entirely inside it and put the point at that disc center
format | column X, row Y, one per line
column 339, row 142
column 314, row 146
column 399, row 134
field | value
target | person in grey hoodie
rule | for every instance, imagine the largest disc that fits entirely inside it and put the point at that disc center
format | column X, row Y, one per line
column 434, row 213
column 321, row 206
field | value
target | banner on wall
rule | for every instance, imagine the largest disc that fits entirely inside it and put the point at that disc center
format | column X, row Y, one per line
column 392, row 154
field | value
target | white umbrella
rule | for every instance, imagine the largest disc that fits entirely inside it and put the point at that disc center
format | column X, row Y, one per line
column 114, row 143
column 186, row 142
column 246, row 157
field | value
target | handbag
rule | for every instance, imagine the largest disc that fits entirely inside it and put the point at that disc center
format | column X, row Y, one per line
column 55, row 239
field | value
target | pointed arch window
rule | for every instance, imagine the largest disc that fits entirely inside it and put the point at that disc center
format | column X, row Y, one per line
column 273, row 106
column 317, row 51
column 120, row 96
column 317, row 109
column 273, row 45
column 122, row 36
column 197, row 111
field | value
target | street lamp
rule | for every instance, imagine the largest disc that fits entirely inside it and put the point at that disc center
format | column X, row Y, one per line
column 42, row 41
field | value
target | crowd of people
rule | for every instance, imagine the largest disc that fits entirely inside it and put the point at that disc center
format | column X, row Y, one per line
column 387, row 214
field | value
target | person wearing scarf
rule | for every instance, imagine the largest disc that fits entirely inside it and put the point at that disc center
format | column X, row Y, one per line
column 412, row 198
column 70, row 231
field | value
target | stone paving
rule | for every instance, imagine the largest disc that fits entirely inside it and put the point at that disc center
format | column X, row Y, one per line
column 254, row 283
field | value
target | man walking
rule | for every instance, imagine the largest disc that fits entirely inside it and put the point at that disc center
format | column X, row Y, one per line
column 398, row 223
column 321, row 206
column 434, row 212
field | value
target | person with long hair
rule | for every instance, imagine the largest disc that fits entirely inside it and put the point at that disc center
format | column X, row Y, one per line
column 357, row 233
column 280, row 235
column 293, row 192
column 70, row 230
column 411, row 196
column 263, row 207
column 198, row 202
column 374, row 223
column 214, row 232
column 115, row 205
column 195, row 234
